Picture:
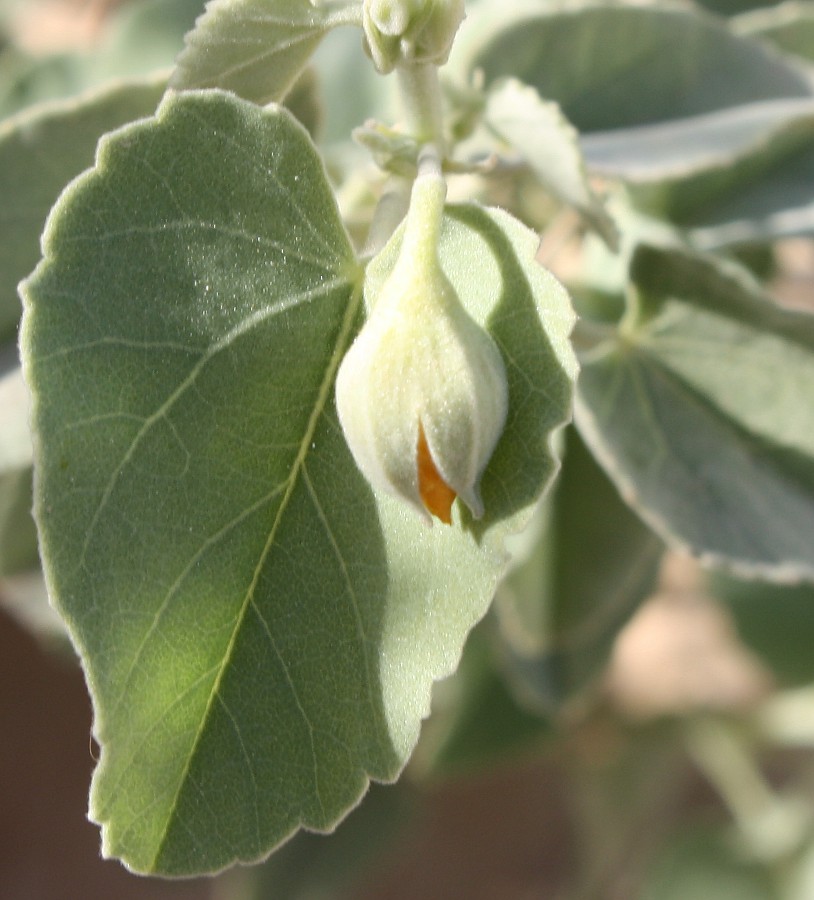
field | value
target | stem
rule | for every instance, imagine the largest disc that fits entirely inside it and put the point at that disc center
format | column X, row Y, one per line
column 421, row 97
column 426, row 211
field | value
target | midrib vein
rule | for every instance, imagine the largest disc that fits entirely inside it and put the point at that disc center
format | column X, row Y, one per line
column 296, row 468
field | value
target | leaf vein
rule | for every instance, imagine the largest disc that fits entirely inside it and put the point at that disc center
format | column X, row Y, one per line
column 249, row 768
column 243, row 327
column 354, row 599
column 249, row 600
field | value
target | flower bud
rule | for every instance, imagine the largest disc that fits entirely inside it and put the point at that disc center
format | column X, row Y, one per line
column 422, row 392
column 414, row 31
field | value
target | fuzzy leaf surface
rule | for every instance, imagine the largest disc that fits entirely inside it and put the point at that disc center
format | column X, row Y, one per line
column 260, row 630
column 256, row 48
column 700, row 410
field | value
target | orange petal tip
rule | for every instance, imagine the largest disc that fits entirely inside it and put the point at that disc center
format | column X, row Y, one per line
column 436, row 495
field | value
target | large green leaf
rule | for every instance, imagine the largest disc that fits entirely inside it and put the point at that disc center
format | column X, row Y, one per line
column 701, row 409
column 774, row 203
column 256, row 48
column 682, row 148
column 622, row 64
column 40, row 152
column 737, row 175
column 260, row 630
column 591, row 565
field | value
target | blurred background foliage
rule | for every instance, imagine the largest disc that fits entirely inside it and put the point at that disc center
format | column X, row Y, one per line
column 624, row 725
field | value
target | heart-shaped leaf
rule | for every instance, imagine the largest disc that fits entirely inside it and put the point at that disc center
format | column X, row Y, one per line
column 260, row 630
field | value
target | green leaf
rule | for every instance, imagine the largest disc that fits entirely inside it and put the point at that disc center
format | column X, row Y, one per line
column 615, row 65
column 40, row 151
column 701, row 410
column 18, row 540
column 256, row 48
column 683, row 148
column 774, row 621
column 28, row 80
column 592, row 563
column 304, row 101
column 539, row 132
column 765, row 210
column 788, row 26
column 259, row 630
column 741, row 174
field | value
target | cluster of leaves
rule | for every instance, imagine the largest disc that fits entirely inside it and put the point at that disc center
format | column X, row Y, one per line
column 260, row 630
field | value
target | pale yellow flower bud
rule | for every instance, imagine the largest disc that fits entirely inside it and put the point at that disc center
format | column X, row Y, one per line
column 422, row 393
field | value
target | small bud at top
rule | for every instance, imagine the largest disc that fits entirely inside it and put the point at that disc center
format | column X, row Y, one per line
column 398, row 32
